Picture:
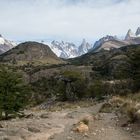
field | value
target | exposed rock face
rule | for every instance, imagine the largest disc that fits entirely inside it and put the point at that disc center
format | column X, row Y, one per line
column 129, row 35
column 5, row 45
column 138, row 32
column 84, row 47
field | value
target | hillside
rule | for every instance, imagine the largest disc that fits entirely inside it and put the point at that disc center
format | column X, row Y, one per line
column 112, row 44
column 30, row 52
column 92, row 56
column 109, row 63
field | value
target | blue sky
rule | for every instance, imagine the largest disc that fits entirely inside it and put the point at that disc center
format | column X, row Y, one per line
column 70, row 20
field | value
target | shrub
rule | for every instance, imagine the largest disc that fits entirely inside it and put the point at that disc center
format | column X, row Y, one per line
column 96, row 90
column 73, row 85
column 135, row 60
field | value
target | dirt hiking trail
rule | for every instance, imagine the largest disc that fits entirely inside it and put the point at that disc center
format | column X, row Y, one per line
column 59, row 125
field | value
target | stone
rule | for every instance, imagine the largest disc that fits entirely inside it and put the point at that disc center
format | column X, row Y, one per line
column 45, row 116
column 86, row 135
column 29, row 116
column 82, row 128
column 94, row 133
column 70, row 138
column 34, row 130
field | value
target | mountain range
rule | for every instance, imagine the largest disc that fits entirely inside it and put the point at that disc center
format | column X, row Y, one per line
column 70, row 50
column 110, row 42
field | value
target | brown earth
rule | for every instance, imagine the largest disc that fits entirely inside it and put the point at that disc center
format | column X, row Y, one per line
column 59, row 125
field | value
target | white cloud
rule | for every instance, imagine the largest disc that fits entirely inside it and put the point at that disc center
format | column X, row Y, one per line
column 68, row 19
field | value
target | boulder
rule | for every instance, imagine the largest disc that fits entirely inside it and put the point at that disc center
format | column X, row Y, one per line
column 81, row 128
column 34, row 130
column 45, row 116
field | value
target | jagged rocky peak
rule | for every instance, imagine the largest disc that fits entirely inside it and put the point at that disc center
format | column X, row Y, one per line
column 84, row 47
column 85, row 44
column 138, row 31
column 84, row 41
column 129, row 35
column 69, row 50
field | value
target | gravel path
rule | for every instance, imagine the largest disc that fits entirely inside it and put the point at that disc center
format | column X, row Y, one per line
column 44, row 125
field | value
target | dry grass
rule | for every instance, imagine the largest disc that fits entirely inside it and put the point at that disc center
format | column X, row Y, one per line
column 70, row 105
column 128, row 106
column 106, row 108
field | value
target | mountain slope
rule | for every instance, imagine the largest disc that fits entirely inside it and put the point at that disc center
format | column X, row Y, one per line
column 5, row 45
column 30, row 52
column 98, row 58
column 110, row 42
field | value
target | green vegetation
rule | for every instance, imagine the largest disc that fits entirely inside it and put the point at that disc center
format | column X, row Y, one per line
column 93, row 75
column 74, row 85
column 97, row 90
column 14, row 94
column 135, row 59
column 65, row 86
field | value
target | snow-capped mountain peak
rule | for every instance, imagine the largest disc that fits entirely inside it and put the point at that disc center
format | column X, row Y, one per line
column 69, row 50
column 5, row 44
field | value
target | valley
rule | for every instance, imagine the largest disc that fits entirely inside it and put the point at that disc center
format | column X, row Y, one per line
column 94, row 96
column 69, row 70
